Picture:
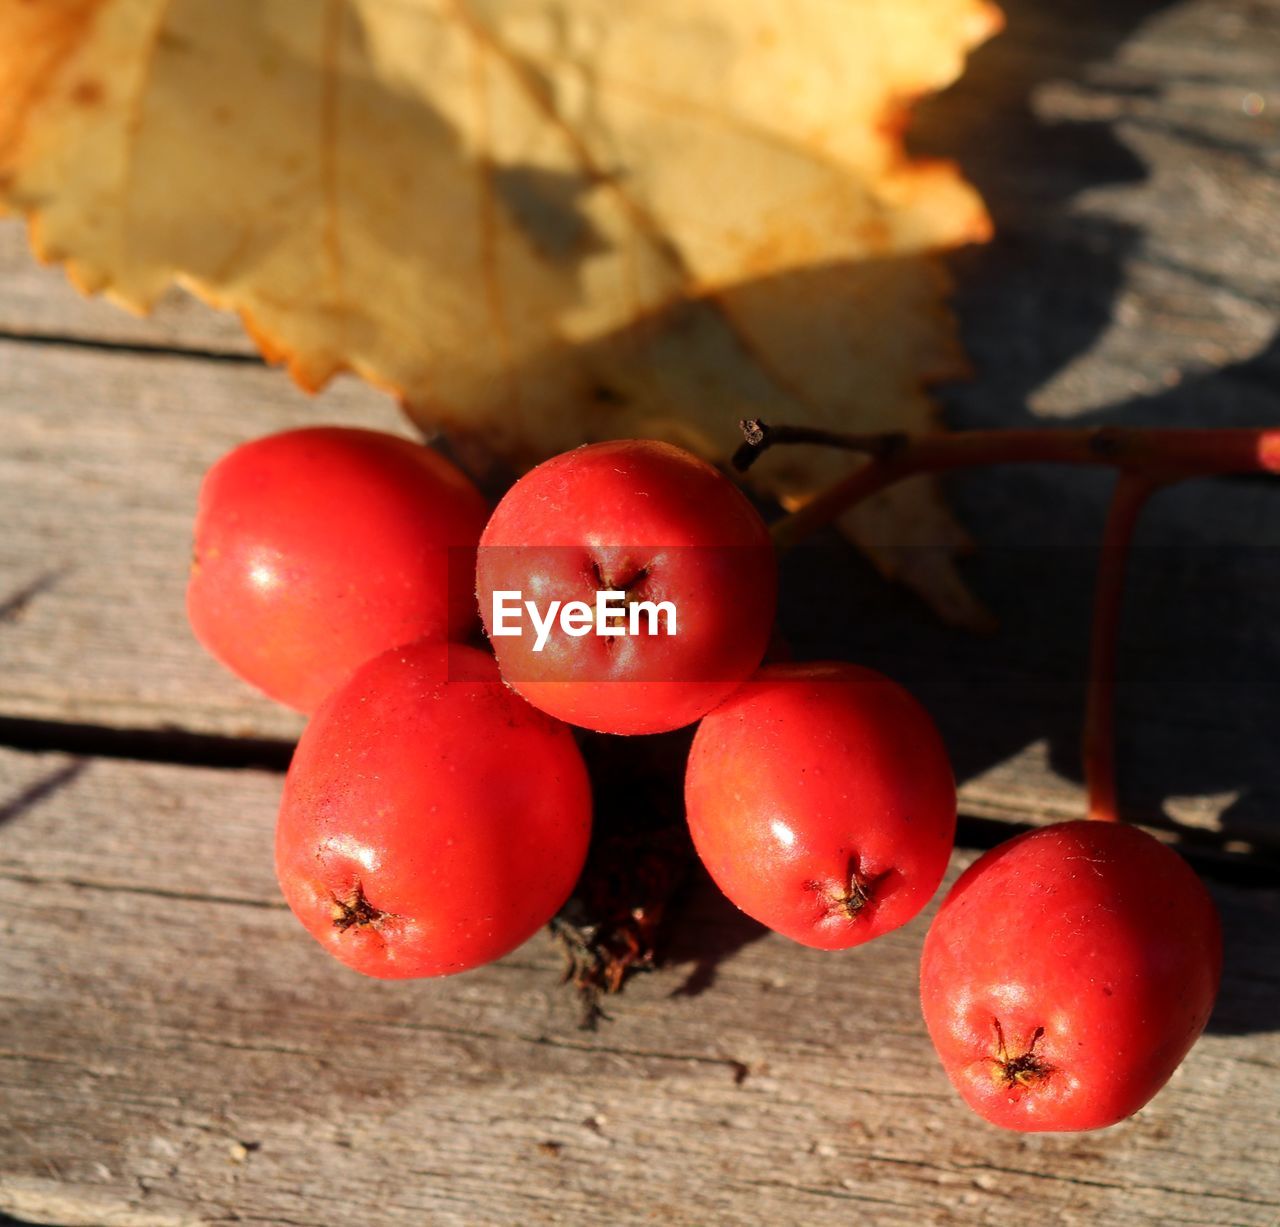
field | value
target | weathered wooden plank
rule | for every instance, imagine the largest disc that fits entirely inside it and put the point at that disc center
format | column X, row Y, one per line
column 101, row 461
column 1131, row 172
column 102, row 457
column 173, row 1050
column 1128, row 154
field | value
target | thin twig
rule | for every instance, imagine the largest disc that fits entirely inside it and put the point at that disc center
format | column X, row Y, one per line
column 1166, row 455
column 758, row 436
column 1160, row 455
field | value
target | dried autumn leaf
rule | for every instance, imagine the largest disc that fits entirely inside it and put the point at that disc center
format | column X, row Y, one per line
column 536, row 221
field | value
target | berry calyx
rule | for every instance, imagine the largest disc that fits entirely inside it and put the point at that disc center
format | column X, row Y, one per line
column 1067, row 974
column 431, row 820
column 821, row 801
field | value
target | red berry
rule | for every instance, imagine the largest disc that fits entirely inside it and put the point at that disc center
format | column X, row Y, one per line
column 656, row 523
column 1068, row 973
column 820, row 798
column 432, row 820
column 317, row 549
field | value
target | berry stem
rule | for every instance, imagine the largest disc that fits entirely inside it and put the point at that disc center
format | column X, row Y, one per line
column 1146, row 460
column 1171, row 454
column 1131, row 493
column 1161, row 455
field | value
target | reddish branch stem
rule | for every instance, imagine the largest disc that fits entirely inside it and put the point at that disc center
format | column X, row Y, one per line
column 1178, row 453
column 1146, row 460
column 1161, row 455
column 1131, row 493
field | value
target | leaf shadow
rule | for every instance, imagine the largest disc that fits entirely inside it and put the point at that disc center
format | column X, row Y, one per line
column 1040, row 295
column 1195, row 705
column 1199, row 686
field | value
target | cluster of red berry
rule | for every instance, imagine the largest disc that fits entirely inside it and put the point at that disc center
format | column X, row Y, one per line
column 437, row 811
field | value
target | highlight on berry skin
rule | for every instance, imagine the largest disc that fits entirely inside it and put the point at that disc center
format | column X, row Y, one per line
column 402, row 872
column 316, row 549
column 1061, row 999
column 821, row 800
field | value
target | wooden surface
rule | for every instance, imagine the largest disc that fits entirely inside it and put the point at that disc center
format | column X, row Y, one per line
column 174, row 1051
column 171, row 1043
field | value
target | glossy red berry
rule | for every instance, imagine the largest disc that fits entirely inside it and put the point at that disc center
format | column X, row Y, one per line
column 1068, row 973
column 659, row 526
column 821, row 800
column 432, row 820
column 316, row 549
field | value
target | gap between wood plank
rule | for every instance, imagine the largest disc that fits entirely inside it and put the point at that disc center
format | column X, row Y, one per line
column 132, row 348
column 176, row 746
column 187, row 749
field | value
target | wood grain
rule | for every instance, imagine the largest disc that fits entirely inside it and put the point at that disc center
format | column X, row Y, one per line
column 173, row 1049
column 1133, row 278
column 103, row 455
column 1129, row 153
column 98, row 475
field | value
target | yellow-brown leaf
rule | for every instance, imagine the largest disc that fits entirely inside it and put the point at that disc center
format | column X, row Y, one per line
column 538, row 222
